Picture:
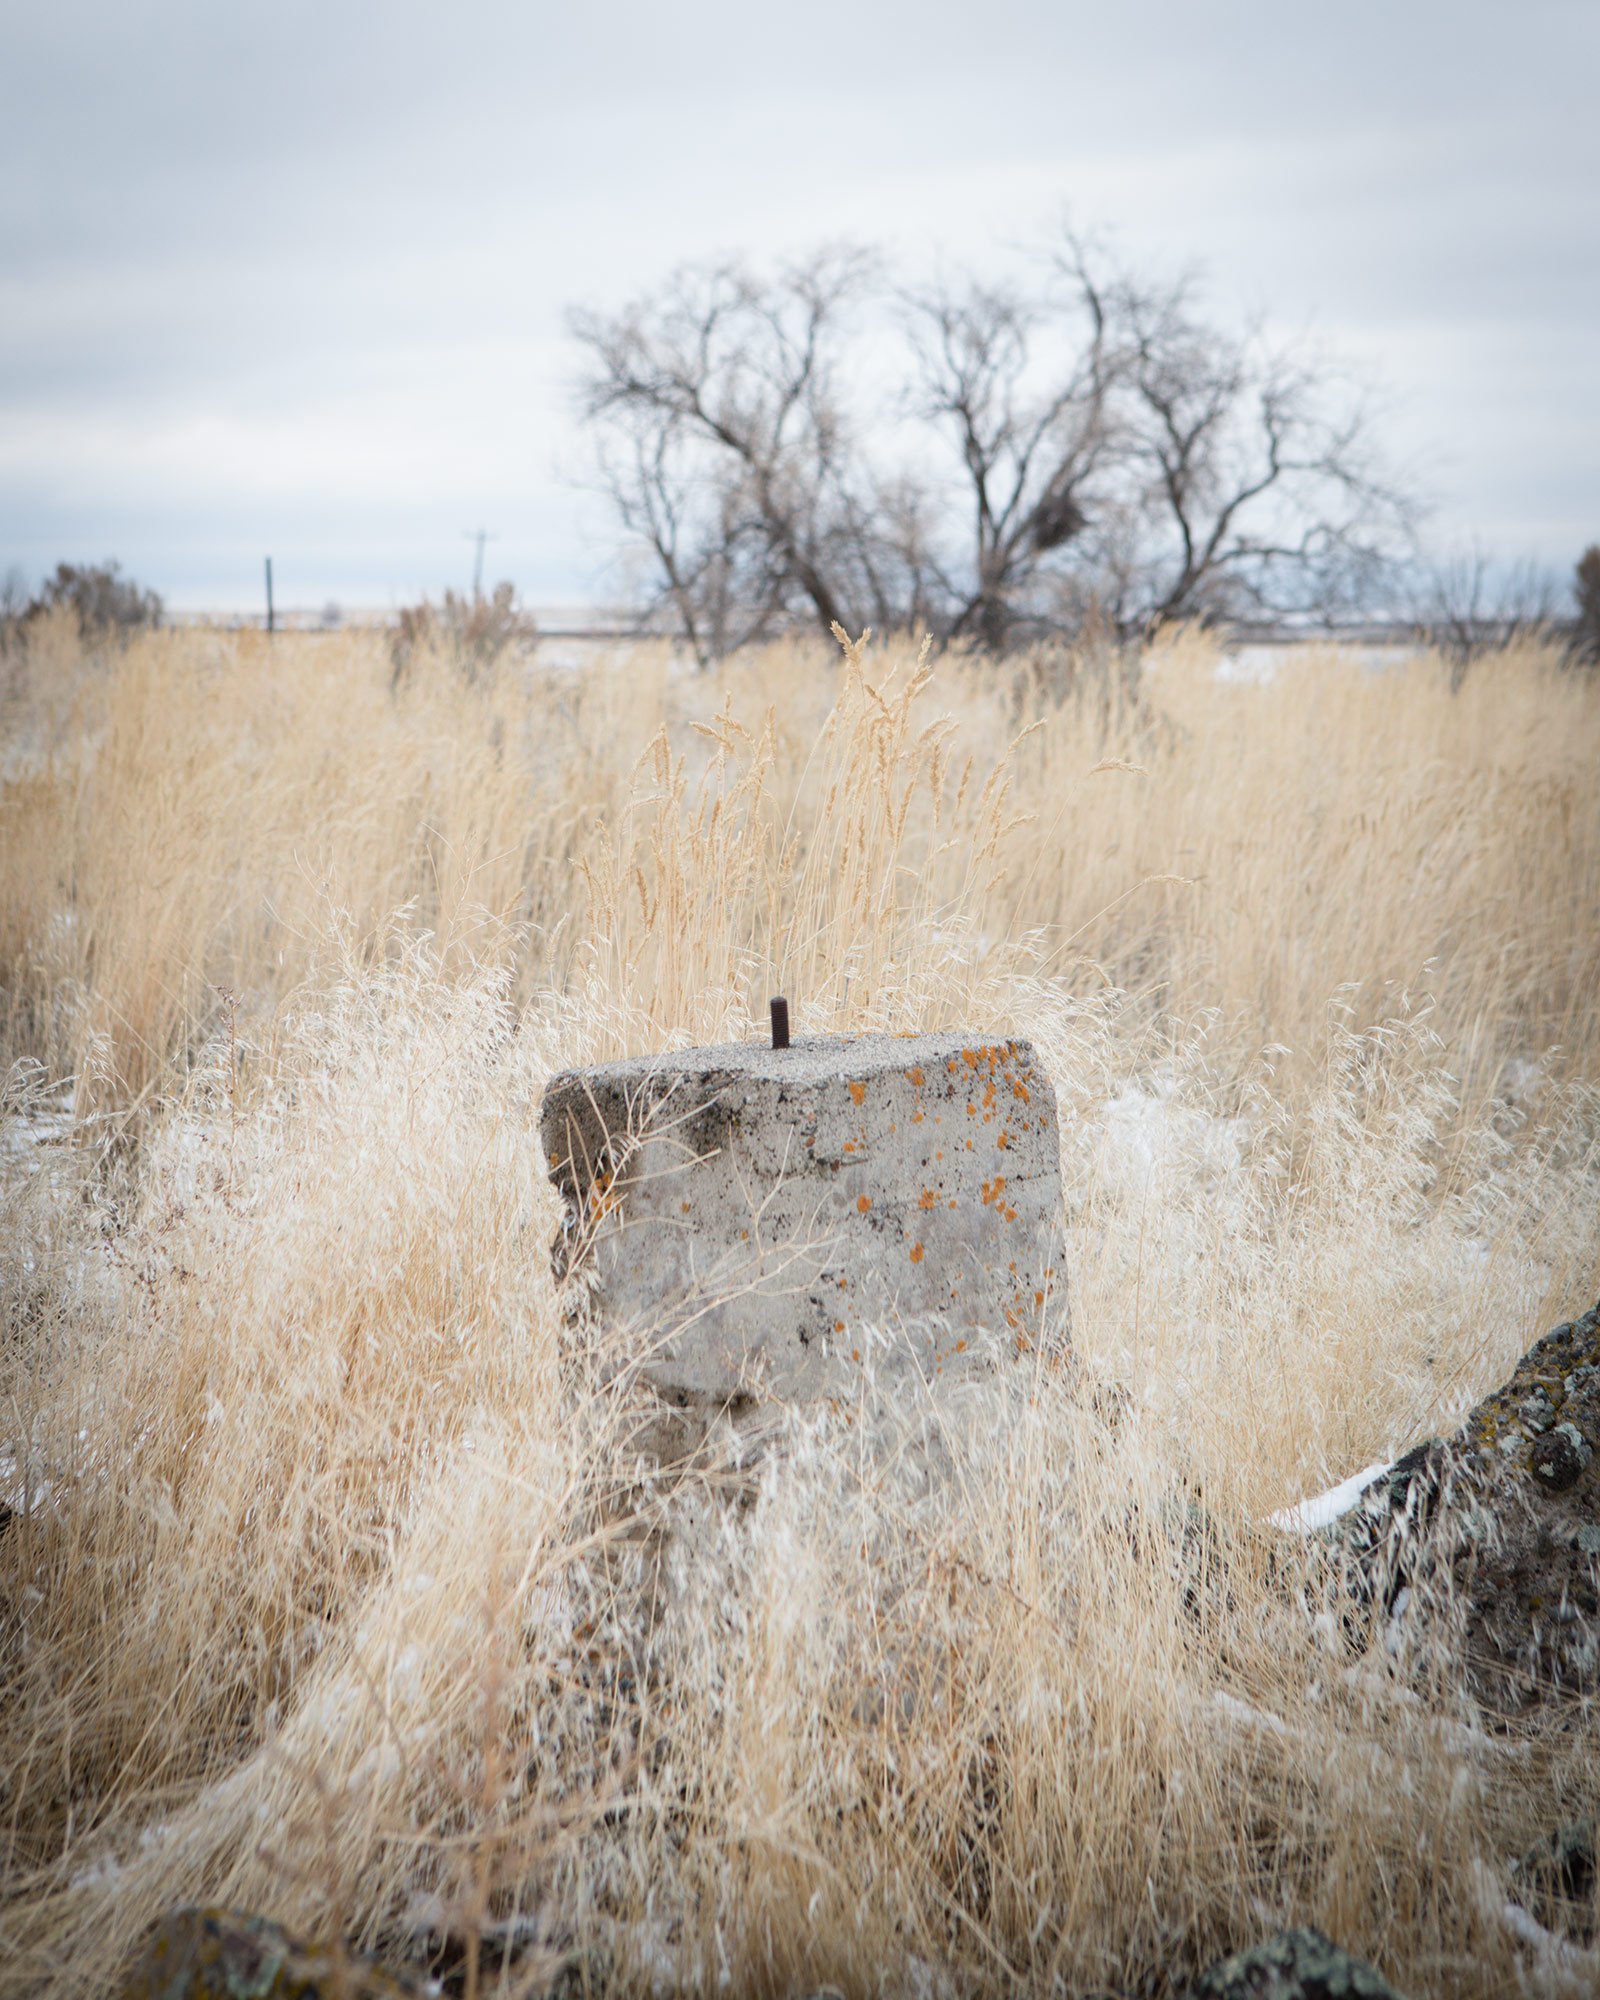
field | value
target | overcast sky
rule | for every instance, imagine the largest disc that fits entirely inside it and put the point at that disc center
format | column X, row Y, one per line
column 291, row 279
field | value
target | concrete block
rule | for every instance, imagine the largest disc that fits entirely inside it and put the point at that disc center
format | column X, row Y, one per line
column 770, row 1222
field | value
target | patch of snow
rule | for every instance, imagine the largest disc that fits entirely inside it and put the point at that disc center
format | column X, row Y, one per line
column 928, row 1982
column 1142, row 1133
column 106, row 1869
column 1307, row 1516
column 1563, row 1966
column 1250, row 666
column 1522, row 1083
column 1253, row 1718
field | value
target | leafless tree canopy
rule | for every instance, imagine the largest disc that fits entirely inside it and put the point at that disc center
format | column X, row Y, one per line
column 1469, row 604
column 978, row 460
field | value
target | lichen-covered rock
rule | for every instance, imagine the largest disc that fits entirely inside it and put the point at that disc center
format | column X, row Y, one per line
column 1300, row 1964
column 767, row 1222
column 1555, row 1880
column 216, row 1954
column 1510, row 1506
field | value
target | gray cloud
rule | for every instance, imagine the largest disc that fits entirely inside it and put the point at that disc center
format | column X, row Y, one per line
column 294, row 277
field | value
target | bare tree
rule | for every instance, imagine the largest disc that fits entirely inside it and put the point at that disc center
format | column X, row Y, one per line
column 727, row 450
column 1469, row 604
column 1255, row 486
column 1031, row 437
column 1086, row 449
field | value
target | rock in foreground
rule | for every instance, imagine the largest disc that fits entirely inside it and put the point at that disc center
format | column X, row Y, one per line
column 1555, row 1880
column 770, row 1221
column 1517, row 1492
column 215, row 1954
column 1295, row 1965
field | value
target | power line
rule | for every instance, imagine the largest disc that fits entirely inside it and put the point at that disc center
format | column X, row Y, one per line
column 480, row 536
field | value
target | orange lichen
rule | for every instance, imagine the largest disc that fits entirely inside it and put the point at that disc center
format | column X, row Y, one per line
column 863, row 1202
column 993, row 1190
column 914, row 1077
column 916, row 1253
column 928, row 1199
column 961, row 1347
column 838, row 1326
column 855, row 1354
column 858, row 1092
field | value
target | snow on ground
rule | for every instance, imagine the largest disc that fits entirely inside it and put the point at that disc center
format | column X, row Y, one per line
column 1145, row 1132
column 1260, row 665
column 1176, row 1169
column 1307, row 1516
column 44, row 1121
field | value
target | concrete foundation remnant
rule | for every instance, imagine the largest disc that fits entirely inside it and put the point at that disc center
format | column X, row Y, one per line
column 769, row 1222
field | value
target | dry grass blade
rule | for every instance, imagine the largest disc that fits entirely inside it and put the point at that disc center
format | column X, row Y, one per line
column 332, row 1578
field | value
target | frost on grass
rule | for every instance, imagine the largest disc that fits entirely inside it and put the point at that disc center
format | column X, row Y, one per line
column 1242, row 1259
column 344, row 1586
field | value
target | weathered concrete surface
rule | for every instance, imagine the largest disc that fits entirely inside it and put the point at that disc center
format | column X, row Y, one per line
column 770, row 1222
column 1511, row 1503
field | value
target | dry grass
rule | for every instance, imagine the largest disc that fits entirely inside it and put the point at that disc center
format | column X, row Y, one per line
column 321, row 1592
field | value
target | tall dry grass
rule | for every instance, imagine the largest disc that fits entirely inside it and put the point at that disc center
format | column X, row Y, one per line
column 325, row 1585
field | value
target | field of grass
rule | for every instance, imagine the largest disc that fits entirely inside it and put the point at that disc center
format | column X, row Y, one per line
column 320, row 1588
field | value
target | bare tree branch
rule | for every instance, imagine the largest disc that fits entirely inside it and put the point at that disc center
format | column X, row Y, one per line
column 1088, row 449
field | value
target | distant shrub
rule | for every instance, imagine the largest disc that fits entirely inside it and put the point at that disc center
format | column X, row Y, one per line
column 1586, row 589
column 103, row 599
column 13, row 604
column 469, row 633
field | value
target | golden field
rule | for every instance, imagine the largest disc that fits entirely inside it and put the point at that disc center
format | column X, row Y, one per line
column 317, row 1591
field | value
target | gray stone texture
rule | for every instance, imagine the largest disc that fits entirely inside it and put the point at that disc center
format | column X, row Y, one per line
column 218, row 1954
column 1555, row 1880
column 1300, row 1964
column 768, row 1223
column 1511, row 1503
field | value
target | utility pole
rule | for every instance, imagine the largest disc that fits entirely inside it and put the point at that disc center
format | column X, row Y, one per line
column 480, row 536
column 269, row 594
